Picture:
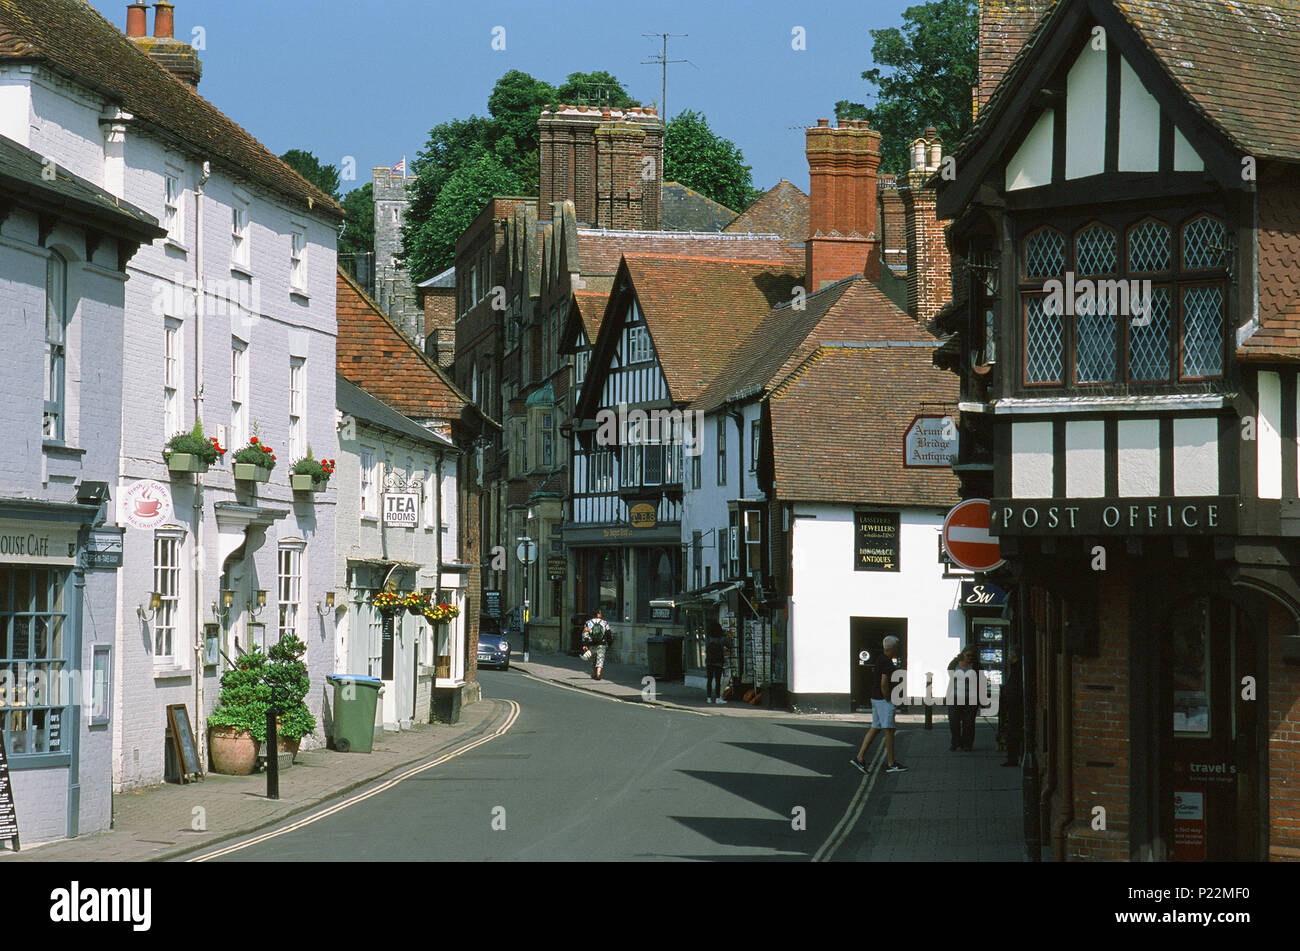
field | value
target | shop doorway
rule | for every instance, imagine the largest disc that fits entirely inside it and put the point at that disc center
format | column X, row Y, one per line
column 865, row 637
column 1210, row 648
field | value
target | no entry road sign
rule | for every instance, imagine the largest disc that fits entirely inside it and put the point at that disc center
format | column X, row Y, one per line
column 966, row 536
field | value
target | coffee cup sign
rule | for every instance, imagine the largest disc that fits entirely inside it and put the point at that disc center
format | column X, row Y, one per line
column 145, row 504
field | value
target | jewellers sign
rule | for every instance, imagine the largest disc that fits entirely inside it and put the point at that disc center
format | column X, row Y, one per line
column 1211, row 515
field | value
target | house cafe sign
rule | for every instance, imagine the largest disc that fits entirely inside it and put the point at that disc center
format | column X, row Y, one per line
column 1212, row 515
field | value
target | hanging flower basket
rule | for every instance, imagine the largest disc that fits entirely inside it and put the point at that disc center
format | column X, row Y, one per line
column 192, row 451
column 254, row 462
column 417, row 603
column 388, row 602
column 440, row 613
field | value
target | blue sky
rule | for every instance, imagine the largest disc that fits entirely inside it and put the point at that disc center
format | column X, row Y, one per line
column 369, row 78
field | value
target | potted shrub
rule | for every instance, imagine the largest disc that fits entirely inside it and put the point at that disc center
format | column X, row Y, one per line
column 192, row 451
column 255, row 461
column 289, row 683
column 238, row 724
column 311, row 475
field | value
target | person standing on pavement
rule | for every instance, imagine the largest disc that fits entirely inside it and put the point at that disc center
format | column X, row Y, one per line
column 963, row 700
column 882, row 708
column 597, row 636
column 715, row 656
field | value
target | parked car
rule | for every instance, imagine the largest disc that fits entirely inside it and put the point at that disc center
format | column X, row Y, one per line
column 493, row 648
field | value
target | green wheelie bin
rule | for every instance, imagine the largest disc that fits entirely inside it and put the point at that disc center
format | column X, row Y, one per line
column 355, row 697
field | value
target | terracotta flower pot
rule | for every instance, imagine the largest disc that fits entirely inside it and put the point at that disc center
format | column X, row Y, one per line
column 234, row 752
column 286, row 745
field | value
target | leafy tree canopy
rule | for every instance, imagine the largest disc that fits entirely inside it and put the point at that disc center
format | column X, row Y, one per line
column 306, row 164
column 597, row 86
column 932, row 64
column 431, row 240
column 698, row 158
column 358, row 235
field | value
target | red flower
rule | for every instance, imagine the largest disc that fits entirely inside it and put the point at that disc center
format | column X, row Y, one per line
column 253, row 441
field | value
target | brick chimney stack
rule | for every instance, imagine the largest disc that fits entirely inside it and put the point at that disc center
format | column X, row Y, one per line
column 929, row 267
column 178, row 58
column 844, row 239
column 1004, row 25
column 608, row 162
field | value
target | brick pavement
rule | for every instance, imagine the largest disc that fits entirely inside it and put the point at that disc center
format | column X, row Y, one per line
column 157, row 822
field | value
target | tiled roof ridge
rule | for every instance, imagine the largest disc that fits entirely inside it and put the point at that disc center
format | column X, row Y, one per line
column 685, row 235
column 424, row 357
column 648, row 256
column 798, row 373
column 25, row 49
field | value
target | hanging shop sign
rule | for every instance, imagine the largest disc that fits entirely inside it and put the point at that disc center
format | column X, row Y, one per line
column 982, row 594
column 1210, row 515
column 875, row 541
column 930, row 443
column 145, row 504
column 557, row 567
column 642, row 515
column 104, row 550
column 402, row 508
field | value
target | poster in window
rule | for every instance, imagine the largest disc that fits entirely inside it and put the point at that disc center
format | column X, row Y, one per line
column 1191, row 668
column 875, row 541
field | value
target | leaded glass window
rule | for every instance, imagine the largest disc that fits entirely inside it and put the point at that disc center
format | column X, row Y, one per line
column 1148, row 343
column 1204, row 244
column 1045, row 254
column 1203, row 330
column 1149, row 248
column 1096, row 251
column 1044, row 343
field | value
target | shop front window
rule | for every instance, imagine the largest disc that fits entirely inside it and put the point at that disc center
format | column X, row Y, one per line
column 1191, row 669
column 657, row 579
column 33, row 659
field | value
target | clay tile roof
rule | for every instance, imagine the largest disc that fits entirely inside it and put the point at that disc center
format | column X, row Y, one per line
column 849, row 310
column 599, row 250
column 375, row 355
column 683, row 209
column 699, row 309
column 591, row 306
column 837, row 428
column 75, row 40
column 783, row 209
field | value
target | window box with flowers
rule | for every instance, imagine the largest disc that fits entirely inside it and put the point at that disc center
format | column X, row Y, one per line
column 192, row 451
column 311, row 475
column 254, row 462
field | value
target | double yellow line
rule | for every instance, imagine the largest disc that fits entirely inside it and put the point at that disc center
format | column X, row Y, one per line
column 382, row 787
column 854, row 810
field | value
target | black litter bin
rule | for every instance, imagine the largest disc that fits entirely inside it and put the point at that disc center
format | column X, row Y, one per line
column 656, row 655
column 676, row 669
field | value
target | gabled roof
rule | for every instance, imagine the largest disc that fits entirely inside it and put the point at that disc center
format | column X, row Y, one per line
column 837, row 426
column 376, row 356
column 599, row 250
column 591, row 308
column 683, row 209
column 697, row 310
column 352, row 400
column 853, row 309
column 23, row 175
column 75, row 40
column 783, row 209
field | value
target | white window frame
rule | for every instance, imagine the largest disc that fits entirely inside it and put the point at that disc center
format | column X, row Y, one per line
column 240, row 255
column 174, row 205
column 297, row 407
column 168, row 555
column 57, row 313
column 369, row 483
column 430, row 487
column 239, row 433
column 298, row 259
column 173, row 378
column 289, row 588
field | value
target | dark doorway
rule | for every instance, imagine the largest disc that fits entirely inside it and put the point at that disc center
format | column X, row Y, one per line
column 865, row 637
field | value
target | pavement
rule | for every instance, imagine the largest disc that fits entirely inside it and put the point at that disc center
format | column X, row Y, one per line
column 950, row 806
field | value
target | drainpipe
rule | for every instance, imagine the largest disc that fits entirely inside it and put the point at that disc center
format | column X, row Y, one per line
column 201, row 735
column 437, row 559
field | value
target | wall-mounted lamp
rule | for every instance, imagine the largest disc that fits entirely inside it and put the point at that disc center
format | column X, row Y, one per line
column 155, row 602
column 261, row 603
column 328, row 606
column 227, row 602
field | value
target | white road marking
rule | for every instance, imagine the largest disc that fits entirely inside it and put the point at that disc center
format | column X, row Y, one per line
column 352, row 801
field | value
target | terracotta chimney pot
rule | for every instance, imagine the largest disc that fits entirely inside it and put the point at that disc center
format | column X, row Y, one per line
column 164, row 21
column 137, row 19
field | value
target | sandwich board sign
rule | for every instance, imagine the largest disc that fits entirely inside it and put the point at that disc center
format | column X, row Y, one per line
column 8, row 814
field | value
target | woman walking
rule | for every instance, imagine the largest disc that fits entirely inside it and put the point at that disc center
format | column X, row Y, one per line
column 597, row 636
column 963, row 700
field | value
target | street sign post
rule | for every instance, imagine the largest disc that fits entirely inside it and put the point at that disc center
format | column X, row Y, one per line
column 966, row 537
column 527, row 554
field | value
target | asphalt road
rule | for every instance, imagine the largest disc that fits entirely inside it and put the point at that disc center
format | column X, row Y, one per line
column 581, row 777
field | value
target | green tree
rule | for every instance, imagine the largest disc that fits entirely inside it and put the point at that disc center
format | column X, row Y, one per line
column 358, row 235
column 698, row 158
column 431, row 241
column 933, row 64
column 306, row 164
column 597, row 86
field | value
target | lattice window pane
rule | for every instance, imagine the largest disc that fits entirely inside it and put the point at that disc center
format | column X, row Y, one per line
column 1044, row 339
column 1149, row 248
column 1045, row 254
column 1096, row 251
column 1096, row 343
column 1148, row 346
column 1204, row 244
column 1202, row 331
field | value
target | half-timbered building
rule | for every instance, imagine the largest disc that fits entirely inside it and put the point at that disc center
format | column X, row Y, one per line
column 1129, row 205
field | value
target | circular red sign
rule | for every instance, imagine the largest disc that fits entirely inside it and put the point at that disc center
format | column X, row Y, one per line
column 966, row 536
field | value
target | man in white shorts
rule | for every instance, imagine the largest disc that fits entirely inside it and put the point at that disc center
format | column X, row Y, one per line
column 882, row 708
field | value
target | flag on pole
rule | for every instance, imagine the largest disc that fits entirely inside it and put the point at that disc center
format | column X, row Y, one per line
column 401, row 166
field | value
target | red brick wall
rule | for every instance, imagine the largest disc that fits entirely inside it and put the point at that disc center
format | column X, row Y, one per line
column 831, row 259
column 440, row 315
column 1004, row 25
column 571, row 154
column 1283, row 743
column 929, row 284
column 842, row 164
column 1100, row 731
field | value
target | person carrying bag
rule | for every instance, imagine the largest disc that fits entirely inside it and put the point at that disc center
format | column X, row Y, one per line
column 596, row 636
